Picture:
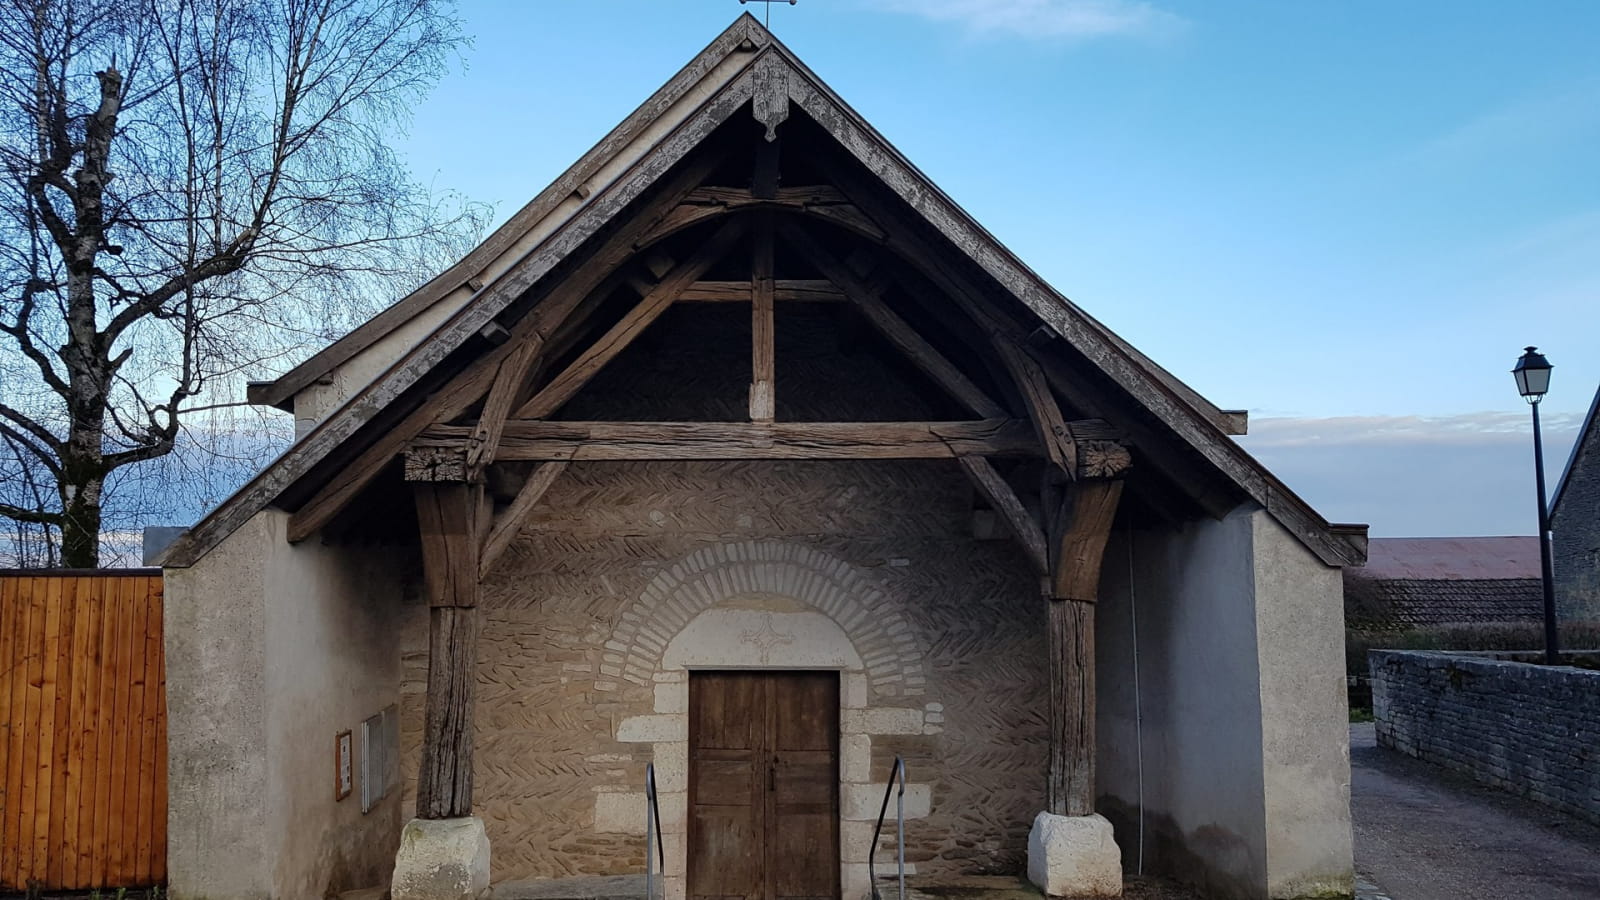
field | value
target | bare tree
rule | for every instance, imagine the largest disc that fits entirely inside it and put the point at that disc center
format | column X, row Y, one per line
column 191, row 192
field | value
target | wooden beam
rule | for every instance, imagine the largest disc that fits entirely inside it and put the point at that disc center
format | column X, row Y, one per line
column 509, row 378
column 763, row 363
column 444, row 776
column 1059, row 445
column 899, row 333
column 785, row 290
column 449, row 516
column 473, row 383
column 563, row 386
column 507, row 524
column 820, row 201
column 526, row 439
column 1077, row 544
column 1009, row 506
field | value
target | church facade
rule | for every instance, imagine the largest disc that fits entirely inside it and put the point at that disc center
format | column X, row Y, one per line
column 742, row 453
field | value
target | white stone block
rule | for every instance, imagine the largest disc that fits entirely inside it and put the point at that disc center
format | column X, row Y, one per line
column 855, row 841
column 861, row 802
column 1074, row 856
column 651, row 729
column 619, row 812
column 672, row 766
column 855, row 758
column 442, row 859
column 672, row 698
column 893, row 720
column 855, row 690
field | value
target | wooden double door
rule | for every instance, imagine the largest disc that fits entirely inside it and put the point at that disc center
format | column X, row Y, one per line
column 763, row 786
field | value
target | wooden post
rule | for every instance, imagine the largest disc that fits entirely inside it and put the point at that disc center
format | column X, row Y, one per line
column 449, row 516
column 1078, row 541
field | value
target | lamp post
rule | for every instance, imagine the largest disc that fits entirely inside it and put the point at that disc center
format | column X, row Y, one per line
column 1532, row 372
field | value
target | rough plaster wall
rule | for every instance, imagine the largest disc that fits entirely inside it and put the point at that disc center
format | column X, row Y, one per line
column 271, row 651
column 1200, row 696
column 217, row 842
column 546, row 738
column 1575, row 546
column 330, row 663
column 1304, row 716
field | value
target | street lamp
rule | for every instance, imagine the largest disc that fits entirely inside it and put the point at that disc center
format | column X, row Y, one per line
column 1532, row 372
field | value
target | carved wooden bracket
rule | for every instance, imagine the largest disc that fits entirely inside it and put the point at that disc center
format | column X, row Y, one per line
column 433, row 463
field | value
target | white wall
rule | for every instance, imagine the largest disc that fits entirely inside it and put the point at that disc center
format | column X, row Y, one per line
column 1198, row 687
column 273, row 650
column 1240, row 680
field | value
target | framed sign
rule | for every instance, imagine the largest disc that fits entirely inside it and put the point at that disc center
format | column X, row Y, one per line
column 343, row 752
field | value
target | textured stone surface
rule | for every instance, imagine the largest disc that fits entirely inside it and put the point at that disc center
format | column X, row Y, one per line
column 1529, row 729
column 442, row 859
column 1074, row 856
column 1575, row 527
column 571, row 660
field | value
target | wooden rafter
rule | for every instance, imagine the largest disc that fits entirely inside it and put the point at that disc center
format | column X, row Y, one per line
column 900, row 334
column 537, row 439
column 471, row 385
column 591, row 361
column 507, row 524
column 1051, row 426
column 763, row 362
column 1006, row 502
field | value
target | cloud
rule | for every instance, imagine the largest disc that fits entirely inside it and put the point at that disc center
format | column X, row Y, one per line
column 1047, row 19
column 1413, row 476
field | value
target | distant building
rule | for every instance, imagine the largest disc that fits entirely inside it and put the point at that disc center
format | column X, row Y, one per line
column 1422, row 582
column 1575, row 522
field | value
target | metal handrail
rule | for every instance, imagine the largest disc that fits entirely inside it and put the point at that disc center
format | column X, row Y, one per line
column 652, row 832
column 897, row 772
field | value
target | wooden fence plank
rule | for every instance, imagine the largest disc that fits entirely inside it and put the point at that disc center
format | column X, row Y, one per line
column 88, row 733
column 121, row 672
column 158, row 809
column 38, row 625
column 150, row 755
column 132, row 761
column 60, row 760
column 10, row 627
column 105, row 725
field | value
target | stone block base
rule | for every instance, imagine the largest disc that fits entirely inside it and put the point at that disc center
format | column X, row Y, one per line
column 1073, row 856
column 442, row 859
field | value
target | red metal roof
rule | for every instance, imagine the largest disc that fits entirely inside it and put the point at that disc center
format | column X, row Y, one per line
column 1461, row 558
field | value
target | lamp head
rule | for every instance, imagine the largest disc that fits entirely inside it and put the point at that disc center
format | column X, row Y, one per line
column 1532, row 372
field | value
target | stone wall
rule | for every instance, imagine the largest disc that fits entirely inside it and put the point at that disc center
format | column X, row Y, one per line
column 1529, row 729
column 631, row 574
column 1575, row 525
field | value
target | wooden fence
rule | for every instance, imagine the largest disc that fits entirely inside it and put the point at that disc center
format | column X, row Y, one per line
column 83, row 730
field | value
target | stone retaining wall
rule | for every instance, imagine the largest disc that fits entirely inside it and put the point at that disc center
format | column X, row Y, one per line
column 1529, row 729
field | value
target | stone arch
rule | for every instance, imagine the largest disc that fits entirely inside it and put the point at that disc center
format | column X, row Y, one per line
column 756, row 575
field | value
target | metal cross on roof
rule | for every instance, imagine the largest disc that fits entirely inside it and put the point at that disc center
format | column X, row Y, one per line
column 768, row 23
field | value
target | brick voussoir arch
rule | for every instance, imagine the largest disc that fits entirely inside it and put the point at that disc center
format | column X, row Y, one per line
column 714, row 575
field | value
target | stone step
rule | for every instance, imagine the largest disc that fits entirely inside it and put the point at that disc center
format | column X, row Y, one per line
column 595, row 887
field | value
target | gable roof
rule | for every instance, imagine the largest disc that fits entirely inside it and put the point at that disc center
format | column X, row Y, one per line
column 1590, row 432
column 744, row 65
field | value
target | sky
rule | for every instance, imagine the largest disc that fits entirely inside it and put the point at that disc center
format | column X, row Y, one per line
column 1347, row 217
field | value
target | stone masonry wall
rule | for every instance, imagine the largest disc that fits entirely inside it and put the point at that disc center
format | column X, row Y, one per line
column 578, row 688
column 1529, row 729
column 1575, row 542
